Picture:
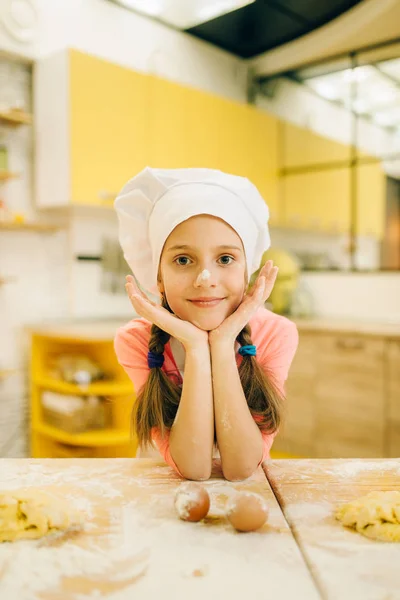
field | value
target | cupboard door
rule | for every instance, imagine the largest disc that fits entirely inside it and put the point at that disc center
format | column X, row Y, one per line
column 393, row 357
column 168, row 144
column 318, row 200
column 203, row 130
column 302, row 147
column 218, row 133
column 350, row 397
column 297, row 435
column 262, row 167
column 108, row 117
column 371, row 200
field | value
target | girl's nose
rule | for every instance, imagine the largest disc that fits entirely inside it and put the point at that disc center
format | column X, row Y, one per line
column 203, row 279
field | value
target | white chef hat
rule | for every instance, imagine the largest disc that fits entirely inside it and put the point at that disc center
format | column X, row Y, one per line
column 155, row 201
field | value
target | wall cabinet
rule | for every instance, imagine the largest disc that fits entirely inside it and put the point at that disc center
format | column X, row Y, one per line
column 99, row 123
column 91, row 128
column 302, row 147
column 343, row 397
column 317, row 200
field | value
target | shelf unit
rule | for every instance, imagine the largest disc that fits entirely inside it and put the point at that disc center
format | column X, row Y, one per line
column 48, row 441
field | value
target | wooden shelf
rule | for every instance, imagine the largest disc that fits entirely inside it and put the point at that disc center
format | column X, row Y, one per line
column 6, row 175
column 14, row 118
column 28, row 226
column 102, row 388
column 95, row 437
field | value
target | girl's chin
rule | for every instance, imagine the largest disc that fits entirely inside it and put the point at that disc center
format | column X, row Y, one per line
column 207, row 324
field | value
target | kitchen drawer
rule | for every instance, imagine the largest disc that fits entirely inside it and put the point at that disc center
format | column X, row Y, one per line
column 356, row 350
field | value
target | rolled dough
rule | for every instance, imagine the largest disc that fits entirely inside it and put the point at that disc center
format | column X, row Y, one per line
column 31, row 514
column 376, row 515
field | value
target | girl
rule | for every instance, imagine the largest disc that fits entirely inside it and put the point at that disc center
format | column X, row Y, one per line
column 208, row 363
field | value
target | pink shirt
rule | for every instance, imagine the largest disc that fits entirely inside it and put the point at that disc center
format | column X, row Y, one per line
column 276, row 339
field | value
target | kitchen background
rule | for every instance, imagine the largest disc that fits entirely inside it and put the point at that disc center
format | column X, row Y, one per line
column 314, row 122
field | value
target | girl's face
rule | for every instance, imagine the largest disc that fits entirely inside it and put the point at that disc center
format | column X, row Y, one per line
column 203, row 259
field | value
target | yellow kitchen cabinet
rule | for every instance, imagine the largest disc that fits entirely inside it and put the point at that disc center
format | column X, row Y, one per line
column 236, row 138
column 167, row 127
column 371, row 200
column 263, row 159
column 303, row 147
column 98, row 124
column 91, row 128
column 216, row 132
column 317, row 200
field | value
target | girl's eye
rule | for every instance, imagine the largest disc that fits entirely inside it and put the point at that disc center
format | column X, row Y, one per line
column 228, row 261
column 182, row 258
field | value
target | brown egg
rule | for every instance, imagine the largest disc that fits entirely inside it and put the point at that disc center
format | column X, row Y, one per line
column 192, row 501
column 247, row 511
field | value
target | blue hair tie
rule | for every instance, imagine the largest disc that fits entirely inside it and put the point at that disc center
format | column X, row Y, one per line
column 155, row 360
column 248, row 350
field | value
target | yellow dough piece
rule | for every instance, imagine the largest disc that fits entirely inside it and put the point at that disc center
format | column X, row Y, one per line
column 376, row 515
column 31, row 514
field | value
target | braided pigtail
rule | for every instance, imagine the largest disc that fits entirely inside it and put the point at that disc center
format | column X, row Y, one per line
column 157, row 403
column 263, row 398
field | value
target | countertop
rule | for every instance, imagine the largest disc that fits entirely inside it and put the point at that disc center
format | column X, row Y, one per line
column 349, row 326
column 104, row 329
column 134, row 546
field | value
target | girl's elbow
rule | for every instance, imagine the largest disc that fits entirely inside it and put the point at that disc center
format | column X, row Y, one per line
column 196, row 475
column 238, row 474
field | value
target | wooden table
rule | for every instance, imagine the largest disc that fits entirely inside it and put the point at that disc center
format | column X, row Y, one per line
column 344, row 564
column 135, row 547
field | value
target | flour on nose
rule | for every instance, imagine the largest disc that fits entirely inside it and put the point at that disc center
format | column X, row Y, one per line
column 204, row 275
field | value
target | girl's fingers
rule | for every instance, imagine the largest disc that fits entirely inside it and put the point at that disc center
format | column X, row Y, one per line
column 132, row 288
column 270, row 282
column 264, row 272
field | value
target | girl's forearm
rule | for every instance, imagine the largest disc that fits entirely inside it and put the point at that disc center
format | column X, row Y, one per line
column 192, row 434
column 239, row 439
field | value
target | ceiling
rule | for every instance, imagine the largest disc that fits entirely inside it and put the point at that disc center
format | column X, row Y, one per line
column 266, row 24
column 245, row 28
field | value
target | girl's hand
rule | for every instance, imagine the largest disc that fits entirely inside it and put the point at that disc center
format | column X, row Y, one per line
column 187, row 333
column 229, row 329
